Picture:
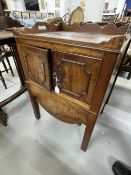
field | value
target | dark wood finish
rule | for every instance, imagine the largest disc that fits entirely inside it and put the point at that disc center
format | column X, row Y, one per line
column 8, row 22
column 13, row 97
column 4, row 54
column 100, row 28
column 1, row 9
column 88, row 131
column 109, row 29
column 2, row 79
column 40, row 27
column 4, row 4
column 83, row 63
column 35, row 104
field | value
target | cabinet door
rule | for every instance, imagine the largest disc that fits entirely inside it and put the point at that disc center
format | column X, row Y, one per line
column 37, row 63
column 77, row 74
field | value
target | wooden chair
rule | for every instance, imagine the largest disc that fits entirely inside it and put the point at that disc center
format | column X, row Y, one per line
column 77, row 16
column 4, row 55
column 126, row 66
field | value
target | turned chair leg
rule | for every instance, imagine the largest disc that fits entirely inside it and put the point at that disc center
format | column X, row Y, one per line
column 129, row 75
column 3, row 80
column 35, row 106
column 5, row 67
column 10, row 66
column 88, row 131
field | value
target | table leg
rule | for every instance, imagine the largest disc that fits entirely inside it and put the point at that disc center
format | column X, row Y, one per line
column 13, row 49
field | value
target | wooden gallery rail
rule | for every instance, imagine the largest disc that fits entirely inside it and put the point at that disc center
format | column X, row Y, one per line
column 69, row 69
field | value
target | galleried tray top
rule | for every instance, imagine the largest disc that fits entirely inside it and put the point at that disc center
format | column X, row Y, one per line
column 75, row 36
column 79, row 36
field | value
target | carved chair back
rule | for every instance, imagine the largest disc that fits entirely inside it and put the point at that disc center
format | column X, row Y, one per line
column 76, row 16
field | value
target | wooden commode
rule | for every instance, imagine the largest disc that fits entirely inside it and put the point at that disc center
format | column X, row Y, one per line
column 69, row 69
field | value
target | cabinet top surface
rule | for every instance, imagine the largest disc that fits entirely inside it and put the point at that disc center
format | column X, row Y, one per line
column 79, row 39
column 75, row 36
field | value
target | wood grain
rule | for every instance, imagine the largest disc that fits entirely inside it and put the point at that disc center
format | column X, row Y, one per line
column 77, row 74
column 84, row 58
column 59, row 107
column 37, row 62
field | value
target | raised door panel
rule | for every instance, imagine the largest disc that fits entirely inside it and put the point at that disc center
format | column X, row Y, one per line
column 77, row 74
column 37, row 63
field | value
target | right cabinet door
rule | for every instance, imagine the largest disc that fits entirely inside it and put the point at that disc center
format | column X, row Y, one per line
column 76, row 75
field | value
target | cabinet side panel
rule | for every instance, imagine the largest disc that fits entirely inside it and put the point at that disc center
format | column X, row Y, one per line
column 106, row 77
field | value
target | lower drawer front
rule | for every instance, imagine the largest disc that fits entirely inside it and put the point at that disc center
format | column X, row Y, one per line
column 57, row 106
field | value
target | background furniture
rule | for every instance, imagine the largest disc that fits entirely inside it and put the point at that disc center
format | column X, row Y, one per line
column 67, row 69
column 108, row 17
column 126, row 66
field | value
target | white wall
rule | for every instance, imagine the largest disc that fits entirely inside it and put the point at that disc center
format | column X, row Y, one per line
column 94, row 10
column 112, row 4
column 50, row 5
column 72, row 5
column 62, row 7
column 16, row 4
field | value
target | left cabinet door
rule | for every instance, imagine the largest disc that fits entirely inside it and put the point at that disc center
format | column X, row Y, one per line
column 38, row 65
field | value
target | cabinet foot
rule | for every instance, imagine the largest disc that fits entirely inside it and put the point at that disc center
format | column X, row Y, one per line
column 88, row 131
